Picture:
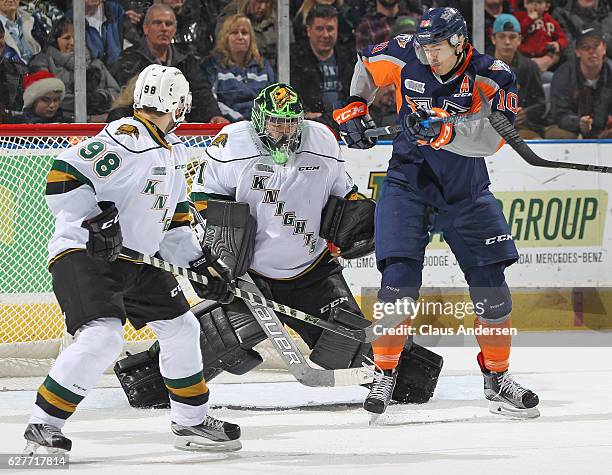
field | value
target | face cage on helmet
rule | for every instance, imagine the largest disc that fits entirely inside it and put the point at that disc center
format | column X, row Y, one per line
column 280, row 135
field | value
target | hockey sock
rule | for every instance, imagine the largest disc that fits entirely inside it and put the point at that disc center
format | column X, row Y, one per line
column 388, row 348
column 180, row 363
column 495, row 342
column 76, row 370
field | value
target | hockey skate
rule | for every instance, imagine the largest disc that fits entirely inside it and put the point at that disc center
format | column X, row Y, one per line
column 48, row 436
column 210, row 435
column 506, row 396
column 380, row 392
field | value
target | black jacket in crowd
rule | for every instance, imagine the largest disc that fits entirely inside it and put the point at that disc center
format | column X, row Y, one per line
column 307, row 78
column 136, row 58
column 530, row 91
column 571, row 98
column 11, row 95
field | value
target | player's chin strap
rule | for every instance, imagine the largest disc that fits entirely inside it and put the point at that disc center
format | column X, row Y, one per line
column 366, row 335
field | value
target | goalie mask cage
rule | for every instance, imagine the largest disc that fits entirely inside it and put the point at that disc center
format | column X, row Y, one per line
column 32, row 330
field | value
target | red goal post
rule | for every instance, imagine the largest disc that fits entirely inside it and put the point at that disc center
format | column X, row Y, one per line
column 32, row 331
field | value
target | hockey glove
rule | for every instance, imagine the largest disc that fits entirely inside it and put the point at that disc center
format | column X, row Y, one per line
column 105, row 238
column 419, row 126
column 220, row 286
column 353, row 120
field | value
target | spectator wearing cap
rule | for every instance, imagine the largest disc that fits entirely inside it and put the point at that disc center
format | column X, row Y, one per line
column 321, row 69
column 376, row 26
column 575, row 16
column 22, row 30
column 581, row 91
column 543, row 37
column 506, row 39
column 12, row 71
column 43, row 94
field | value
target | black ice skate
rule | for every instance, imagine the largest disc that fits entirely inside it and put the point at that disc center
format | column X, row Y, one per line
column 506, row 396
column 210, row 435
column 380, row 391
column 48, row 436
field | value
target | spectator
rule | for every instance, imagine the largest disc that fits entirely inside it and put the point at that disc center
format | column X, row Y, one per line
column 58, row 58
column 12, row 71
column 107, row 27
column 263, row 18
column 43, row 94
column 156, row 47
column 135, row 10
column 493, row 8
column 578, row 15
column 506, row 38
column 47, row 12
column 123, row 105
column 320, row 69
column 543, row 37
column 21, row 29
column 236, row 70
column 404, row 25
column 192, row 34
column 345, row 27
column 581, row 91
column 376, row 26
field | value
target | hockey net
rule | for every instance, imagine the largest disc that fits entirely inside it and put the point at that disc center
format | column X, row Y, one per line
column 32, row 330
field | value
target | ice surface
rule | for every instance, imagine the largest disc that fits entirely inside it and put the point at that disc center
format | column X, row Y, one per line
column 294, row 429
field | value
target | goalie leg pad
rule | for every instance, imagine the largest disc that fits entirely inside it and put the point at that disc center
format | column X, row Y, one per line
column 228, row 334
column 418, row 372
column 141, row 379
column 333, row 351
column 230, row 233
column 349, row 224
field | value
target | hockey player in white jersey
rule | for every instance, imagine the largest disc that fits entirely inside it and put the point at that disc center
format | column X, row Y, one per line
column 273, row 190
column 125, row 187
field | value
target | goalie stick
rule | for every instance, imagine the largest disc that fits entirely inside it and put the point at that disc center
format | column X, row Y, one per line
column 365, row 335
column 483, row 113
column 507, row 131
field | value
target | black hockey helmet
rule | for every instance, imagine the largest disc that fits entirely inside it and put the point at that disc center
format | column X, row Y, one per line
column 439, row 24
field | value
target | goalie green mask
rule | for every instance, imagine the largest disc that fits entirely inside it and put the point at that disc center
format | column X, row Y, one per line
column 277, row 117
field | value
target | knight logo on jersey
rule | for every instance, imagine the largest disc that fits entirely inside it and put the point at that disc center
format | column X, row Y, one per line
column 220, row 141
column 127, row 129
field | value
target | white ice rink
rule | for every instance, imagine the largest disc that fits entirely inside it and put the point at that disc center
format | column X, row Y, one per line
column 324, row 430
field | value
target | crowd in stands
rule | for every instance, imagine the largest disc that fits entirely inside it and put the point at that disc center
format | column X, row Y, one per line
column 560, row 51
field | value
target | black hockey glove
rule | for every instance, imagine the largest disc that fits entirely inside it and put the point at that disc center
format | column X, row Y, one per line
column 353, row 120
column 105, row 238
column 220, row 286
column 434, row 133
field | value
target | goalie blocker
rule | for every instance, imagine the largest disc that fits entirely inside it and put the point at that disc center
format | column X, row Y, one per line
column 229, row 332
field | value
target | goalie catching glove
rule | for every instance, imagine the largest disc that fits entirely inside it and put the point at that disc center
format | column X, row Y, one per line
column 353, row 120
column 434, row 133
column 220, row 286
column 105, row 238
column 349, row 224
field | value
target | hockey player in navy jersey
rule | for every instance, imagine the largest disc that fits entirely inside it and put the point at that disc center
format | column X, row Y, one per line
column 126, row 187
column 437, row 180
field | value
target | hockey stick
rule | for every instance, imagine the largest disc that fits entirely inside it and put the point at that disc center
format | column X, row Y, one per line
column 291, row 355
column 483, row 113
column 507, row 131
column 365, row 335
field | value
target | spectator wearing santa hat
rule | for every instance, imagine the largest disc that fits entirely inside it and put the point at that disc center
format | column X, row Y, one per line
column 43, row 94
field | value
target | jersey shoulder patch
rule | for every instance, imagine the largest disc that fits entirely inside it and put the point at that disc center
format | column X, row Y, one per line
column 133, row 136
column 317, row 138
column 235, row 142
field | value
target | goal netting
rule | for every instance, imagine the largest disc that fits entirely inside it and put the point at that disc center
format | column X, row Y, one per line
column 32, row 330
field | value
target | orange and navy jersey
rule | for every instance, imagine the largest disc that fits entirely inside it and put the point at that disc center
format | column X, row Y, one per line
column 455, row 163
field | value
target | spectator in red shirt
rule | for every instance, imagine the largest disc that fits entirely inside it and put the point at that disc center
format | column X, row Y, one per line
column 543, row 37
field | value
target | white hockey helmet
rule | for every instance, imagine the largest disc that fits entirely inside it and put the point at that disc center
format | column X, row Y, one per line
column 164, row 89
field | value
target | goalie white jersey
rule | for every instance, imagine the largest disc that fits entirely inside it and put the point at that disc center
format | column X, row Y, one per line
column 131, row 164
column 286, row 200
